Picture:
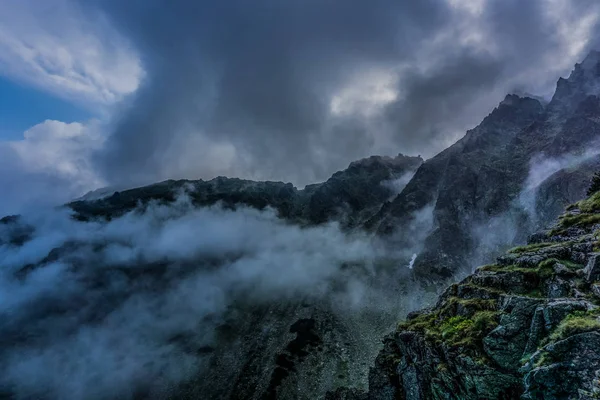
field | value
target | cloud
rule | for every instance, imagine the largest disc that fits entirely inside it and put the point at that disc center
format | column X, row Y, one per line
column 543, row 167
column 59, row 48
column 100, row 310
column 317, row 85
column 247, row 90
column 50, row 165
column 397, row 185
column 528, row 212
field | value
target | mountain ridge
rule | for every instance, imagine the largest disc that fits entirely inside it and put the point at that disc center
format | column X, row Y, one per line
column 488, row 165
column 358, row 188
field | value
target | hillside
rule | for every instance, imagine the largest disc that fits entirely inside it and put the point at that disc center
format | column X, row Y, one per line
column 525, row 327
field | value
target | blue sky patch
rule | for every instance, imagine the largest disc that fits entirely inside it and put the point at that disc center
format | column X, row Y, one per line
column 22, row 107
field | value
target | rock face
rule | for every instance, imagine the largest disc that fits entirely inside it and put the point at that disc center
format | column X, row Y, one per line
column 526, row 327
column 485, row 174
column 351, row 196
column 299, row 352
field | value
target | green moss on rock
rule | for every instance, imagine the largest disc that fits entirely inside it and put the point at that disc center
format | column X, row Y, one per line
column 591, row 204
column 577, row 322
column 580, row 220
column 530, row 247
column 456, row 331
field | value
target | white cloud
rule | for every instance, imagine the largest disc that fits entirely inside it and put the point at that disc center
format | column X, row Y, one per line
column 56, row 47
column 366, row 94
column 397, row 185
column 474, row 7
column 50, row 165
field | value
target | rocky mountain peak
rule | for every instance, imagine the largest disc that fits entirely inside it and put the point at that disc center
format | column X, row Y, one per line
column 399, row 161
column 591, row 63
column 519, row 107
column 583, row 81
column 504, row 122
column 514, row 99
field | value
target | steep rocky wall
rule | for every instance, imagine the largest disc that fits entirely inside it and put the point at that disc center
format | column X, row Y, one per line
column 525, row 327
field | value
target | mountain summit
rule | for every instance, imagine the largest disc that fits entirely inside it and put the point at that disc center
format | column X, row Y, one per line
column 583, row 82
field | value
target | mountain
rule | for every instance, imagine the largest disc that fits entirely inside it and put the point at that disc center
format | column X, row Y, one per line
column 527, row 326
column 352, row 195
column 253, row 303
column 443, row 203
column 483, row 175
column 236, row 289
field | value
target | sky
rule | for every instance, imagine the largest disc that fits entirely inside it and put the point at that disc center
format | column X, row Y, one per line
column 118, row 94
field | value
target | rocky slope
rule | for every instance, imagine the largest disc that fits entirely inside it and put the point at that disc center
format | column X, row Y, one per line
column 483, row 175
column 525, row 327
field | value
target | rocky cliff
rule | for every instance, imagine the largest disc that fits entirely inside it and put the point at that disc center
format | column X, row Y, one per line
column 527, row 326
column 484, row 175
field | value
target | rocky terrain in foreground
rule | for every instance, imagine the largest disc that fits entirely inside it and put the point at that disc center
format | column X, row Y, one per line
column 527, row 326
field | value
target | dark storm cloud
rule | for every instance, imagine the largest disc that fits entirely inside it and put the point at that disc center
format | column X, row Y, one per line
column 435, row 101
column 244, row 88
column 256, row 74
column 465, row 82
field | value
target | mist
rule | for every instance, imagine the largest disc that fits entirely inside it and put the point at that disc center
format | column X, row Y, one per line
column 497, row 233
column 114, row 309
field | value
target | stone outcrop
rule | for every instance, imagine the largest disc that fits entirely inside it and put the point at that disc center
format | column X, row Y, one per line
column 525, row 327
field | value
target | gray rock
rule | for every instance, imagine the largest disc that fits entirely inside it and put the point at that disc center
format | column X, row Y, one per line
column 592, row 269
column 557, row 287
column 596, row 290
column 547, row 317
column 577, row 360
column 578, row 257
column 507, row 342
column 562, row 270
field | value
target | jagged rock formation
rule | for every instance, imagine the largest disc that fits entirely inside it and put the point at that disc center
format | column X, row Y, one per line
column 352, row 195
column 525, row 327
column 483, row 175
